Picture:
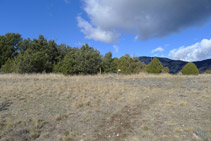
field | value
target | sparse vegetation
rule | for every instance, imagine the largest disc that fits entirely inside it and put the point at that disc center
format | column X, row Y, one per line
column 105, row 107
column 208, row 72
column 190, row 69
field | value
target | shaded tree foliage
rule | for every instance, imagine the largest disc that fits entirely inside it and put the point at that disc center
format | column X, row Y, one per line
column 9, row 66
column 85, row 60
column 33, row 62
column 9, row 46
column 109, row 64
column 88, row 60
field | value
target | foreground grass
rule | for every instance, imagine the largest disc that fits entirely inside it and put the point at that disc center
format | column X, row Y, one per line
column 108, row 107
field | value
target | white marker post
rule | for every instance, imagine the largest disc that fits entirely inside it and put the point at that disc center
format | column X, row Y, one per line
column 118, row 71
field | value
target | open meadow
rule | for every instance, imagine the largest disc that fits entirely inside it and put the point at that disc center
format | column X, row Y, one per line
column 142, row 107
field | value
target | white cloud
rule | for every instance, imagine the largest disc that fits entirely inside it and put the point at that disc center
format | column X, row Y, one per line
column 97, row 33
column 197, row 52
column 116, row 48
column 159, row 49
column 145, row 19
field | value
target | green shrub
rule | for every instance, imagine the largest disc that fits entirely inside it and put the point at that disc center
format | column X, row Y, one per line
column 190, row 69
column 9, row 66
column 67, row 66
column 165, row 70
column 155, row 66
column 208, row 72
column 129, row 65
column 85, row 60
column 33, row 62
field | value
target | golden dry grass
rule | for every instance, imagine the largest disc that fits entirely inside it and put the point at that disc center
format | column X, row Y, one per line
column 108, row 107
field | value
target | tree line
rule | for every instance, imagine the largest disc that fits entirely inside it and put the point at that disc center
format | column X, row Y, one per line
column 18, row 55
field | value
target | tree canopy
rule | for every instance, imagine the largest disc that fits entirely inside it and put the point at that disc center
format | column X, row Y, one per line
column 40, row 55
column 9, row 46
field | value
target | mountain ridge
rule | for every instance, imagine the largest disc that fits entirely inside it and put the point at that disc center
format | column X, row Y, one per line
column 176, row 66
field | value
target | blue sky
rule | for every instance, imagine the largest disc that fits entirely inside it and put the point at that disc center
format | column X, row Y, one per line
column 75, row 22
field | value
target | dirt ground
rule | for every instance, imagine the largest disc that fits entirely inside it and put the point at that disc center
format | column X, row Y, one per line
column 143, row 107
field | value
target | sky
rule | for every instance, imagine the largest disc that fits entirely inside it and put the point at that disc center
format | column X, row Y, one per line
column 176, row 29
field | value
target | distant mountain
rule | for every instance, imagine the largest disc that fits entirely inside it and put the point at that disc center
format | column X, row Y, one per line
column 176, row 66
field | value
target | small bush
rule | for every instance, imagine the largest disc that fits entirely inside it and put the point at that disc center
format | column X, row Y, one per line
column 208, row 72
column 9, row 66
column 155, row 66
column 190, row 69
column 165, row 70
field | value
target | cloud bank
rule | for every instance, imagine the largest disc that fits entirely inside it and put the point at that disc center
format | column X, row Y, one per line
column 197, row 52
column 145, row 19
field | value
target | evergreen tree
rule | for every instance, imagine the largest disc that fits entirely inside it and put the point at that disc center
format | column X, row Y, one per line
column 36, row 56
column 155, row 66
column 123, row 64
column 85, row 60
column 9, row 45
column 88, row 60
column 129, row 65
column 136, row 65
column 107, row 62
column 190, row 69
column 114, row 65
column 63, row 50
column 33, row 62
column 24, row 45
column 68, row 65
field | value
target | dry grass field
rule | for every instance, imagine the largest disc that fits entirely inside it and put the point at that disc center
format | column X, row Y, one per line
column 50, row 107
